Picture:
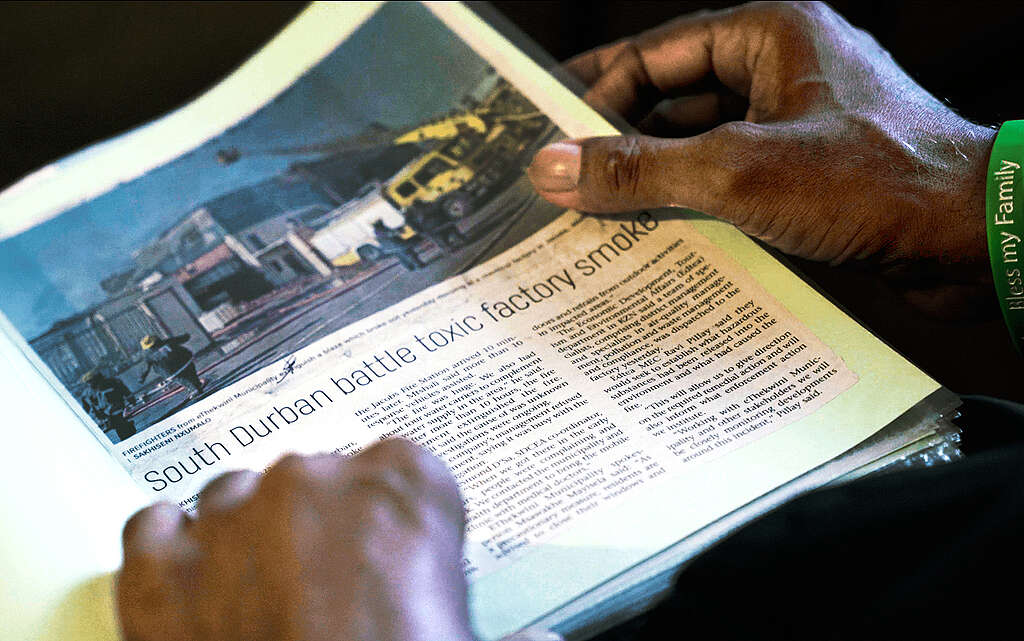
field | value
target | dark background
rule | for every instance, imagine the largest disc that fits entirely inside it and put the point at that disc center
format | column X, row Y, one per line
column 75, row 73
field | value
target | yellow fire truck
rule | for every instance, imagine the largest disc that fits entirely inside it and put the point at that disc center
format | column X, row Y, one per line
column 477, row 152
column 480, row 151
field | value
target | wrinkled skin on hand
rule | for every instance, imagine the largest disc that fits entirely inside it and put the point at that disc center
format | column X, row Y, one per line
column 322, row 548
column 836, row 155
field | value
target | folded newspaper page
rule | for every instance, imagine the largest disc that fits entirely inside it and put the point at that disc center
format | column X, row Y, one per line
column 338, row 245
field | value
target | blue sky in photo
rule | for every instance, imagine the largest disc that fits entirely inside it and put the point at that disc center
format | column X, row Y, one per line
column 399, row 68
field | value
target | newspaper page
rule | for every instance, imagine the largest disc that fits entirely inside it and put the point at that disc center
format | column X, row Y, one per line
column 361, row 257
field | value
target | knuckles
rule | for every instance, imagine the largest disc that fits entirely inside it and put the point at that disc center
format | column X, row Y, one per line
column 738, row 150
column 415, row 465
column 397, row 452
column 135, row 527
column 790, row 17
column 287, row 480
column 381, row 500
column 395, row 472
column 145, row 529
column 291, row 469
column 788, row 21
column 735, row 132
column 621, row 167
column 411, row 480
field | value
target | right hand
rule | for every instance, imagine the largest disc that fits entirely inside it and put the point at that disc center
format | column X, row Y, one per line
column 839, row 155
column 366, row 548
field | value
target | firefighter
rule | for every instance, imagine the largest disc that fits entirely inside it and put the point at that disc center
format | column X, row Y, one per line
column 105, row 399
column 392, row 244
column 171, row 358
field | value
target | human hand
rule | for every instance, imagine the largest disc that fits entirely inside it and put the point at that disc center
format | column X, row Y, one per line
column 839, row 157
column 320, row 548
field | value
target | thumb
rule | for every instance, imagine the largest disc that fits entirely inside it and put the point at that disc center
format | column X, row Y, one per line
column 628, row 173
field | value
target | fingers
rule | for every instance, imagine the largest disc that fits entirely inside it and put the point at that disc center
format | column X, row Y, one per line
column 415, row 463
column 691, row 115
column 231, row 489
column 591, row 65
column 630, row 173
column 685, row 51
column 394, row 472
column 406, row 469
column 666, row 60
column 418, row 473
column 227, row 492
column 674, row 55
column 153, row 530
column 624, row 87
column 752, row 51
column 150, row 603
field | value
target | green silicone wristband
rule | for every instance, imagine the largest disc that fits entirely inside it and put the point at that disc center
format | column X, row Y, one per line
column 1004, row 214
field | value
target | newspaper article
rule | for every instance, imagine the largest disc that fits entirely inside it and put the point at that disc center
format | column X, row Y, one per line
column 593, row 358
column 363, row 258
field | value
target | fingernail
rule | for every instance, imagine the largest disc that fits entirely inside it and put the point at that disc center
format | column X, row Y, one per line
column 556, row 167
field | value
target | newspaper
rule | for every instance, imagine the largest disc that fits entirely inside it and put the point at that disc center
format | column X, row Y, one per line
column 358, row 255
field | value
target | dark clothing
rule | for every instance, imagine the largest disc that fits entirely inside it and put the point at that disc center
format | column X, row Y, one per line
column 122, row 426
column 170, row 357
column 107, row 394
column 189, row 378
column 167, row 355
column 928, row 553
column 105, row 400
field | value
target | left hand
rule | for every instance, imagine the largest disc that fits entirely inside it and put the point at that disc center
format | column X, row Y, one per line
column 836, row 156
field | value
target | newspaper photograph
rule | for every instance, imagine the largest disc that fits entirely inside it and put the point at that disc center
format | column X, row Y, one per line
column 363, row 258
column 383, row 170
